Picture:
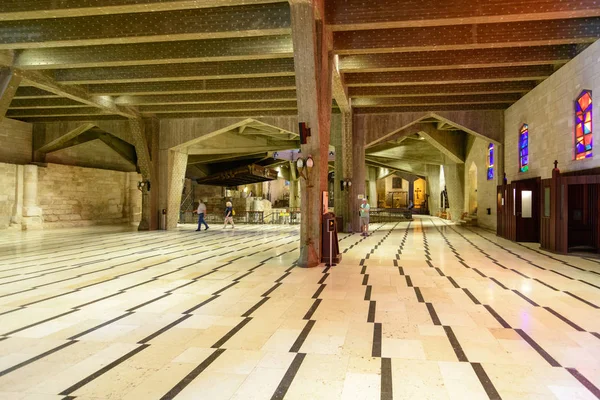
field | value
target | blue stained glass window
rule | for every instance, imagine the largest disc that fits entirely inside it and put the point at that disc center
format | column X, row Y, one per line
column 490, row 162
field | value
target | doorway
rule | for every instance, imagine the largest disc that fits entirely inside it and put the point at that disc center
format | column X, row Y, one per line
column 582, row 218
column 526, row 209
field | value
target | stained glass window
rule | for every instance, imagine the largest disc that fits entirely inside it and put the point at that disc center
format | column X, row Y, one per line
column 490, row 162
column 524, row 148
column 583, row 126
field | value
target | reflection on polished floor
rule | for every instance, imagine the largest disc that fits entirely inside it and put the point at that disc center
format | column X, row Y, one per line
column 420, row 310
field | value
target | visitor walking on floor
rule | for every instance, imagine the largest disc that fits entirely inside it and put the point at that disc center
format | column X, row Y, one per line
column 229, row 215
column 201, row 211
column 364, row 217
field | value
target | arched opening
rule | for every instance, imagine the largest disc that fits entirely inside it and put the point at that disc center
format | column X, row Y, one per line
column 472, row 189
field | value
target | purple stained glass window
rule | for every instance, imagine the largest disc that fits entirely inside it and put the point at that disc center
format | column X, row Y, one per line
column 524, row 148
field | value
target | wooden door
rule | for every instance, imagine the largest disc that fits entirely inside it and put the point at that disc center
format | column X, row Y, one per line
column 526, row 194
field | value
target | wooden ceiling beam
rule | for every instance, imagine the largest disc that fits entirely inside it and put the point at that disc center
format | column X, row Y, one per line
column 188, row 51
column 453, row 59
column 346, row 15
column 208, row 98
column 441, row 90
column 199, row 86
column 507, row 98
column 464, row 37
column 167, row 26
column 177, row 72
column 15, row 10
column 472, row 75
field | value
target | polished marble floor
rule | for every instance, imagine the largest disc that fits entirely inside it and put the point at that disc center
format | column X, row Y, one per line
column 420, row 310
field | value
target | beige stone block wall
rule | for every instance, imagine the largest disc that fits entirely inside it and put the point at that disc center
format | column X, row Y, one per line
column 8, row 189
column 75, row 196
column 549, row 111
column 477, row 150
column 16, row 138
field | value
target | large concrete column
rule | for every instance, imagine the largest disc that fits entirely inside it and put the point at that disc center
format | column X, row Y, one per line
column 32, row 213
column 372, row 186
column 341, row 133
column 313, row 65
column 358, row 174
column 9, row 83
column 454, row 175
column 411, row 190
column 144, row 163
column 177, row 166
column 433, row 188
column 294, row 186
column 17, row 213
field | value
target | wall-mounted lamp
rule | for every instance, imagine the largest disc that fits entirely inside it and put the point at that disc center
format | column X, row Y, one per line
column 304, row 166
column 143, row 184
column 345, row 184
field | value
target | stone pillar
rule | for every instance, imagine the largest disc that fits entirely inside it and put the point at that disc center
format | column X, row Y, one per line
column 17, row 213
column 313, row 65
column 32, row 213
column 358, row 174
column 454, row 175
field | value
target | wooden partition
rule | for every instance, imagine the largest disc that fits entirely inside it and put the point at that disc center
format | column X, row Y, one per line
column 573, row 200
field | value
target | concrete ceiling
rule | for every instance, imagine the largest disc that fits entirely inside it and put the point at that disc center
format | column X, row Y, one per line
column 198, row 58
column 252, row 142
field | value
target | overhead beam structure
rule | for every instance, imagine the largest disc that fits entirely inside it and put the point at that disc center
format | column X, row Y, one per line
column 15, row 10
column 350, row 15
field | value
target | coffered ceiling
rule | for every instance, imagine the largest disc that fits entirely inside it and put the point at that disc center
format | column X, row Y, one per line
column 92, row 59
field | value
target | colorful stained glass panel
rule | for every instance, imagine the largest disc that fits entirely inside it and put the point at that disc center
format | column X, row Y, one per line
column 583, row 126
column 490, row 162
column 524, row 148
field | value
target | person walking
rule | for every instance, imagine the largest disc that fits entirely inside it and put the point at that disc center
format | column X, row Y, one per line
column 201, row 211
column 228, row 215
column 364, row 217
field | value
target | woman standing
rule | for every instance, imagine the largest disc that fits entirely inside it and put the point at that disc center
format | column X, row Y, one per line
column 228, row 215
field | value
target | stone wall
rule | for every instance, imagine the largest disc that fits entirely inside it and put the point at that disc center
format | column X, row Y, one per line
column 16, row 138
column 549, row 112
column 8, row 190
column 76, row 196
